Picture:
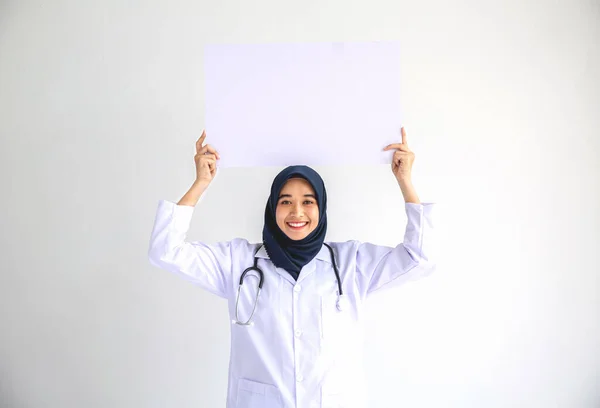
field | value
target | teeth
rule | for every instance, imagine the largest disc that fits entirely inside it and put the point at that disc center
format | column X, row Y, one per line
column 297, row 224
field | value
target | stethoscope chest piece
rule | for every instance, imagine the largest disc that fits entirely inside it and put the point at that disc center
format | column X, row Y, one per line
column 342, row 303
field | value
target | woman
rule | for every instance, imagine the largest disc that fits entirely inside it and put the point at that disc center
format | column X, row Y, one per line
column 297, row 342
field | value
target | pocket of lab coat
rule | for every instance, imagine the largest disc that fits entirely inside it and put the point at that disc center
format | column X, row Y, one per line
column 332, row 393
column 333, row 401
column 334, row 323
column 252, row 394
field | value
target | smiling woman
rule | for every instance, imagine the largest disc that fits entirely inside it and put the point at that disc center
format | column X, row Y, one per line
column 295, row 218
column 301, row 348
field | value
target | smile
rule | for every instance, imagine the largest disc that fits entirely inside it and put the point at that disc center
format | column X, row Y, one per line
column 297, row 225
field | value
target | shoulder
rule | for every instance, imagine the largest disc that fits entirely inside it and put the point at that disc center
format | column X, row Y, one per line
column 345, row 246
column 342, row 244
column 242, row 246
column 241, row 243
column 356, row 247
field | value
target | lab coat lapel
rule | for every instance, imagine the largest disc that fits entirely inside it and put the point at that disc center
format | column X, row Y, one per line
column 311, row 267
column 266, row 264
column 285, row 274
column 306, row 271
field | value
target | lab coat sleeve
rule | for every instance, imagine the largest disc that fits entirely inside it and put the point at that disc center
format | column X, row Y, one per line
column 381, row 267
column 208, row 266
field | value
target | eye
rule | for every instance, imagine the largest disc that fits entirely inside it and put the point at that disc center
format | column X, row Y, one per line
column 285, row 202
column 309, row 202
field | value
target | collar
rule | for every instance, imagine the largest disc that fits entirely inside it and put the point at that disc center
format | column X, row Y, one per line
column 323, row 254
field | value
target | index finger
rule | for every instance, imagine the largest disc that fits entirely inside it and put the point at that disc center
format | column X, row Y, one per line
column 404, row 141
column 200, row 141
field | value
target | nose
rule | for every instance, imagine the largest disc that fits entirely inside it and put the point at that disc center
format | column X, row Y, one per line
column 297, row 209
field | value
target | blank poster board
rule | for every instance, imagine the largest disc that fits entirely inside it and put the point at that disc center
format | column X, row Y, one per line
column 302, row 103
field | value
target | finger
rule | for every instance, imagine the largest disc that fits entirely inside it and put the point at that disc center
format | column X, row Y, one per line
column 397, row 146
column 208, row 149
column 200, row 141
column 210, row 163
column 212, row 150
column 403, row 132
column 403, row 155
column 400, row 153
column 206, row 156
column 399, row 157
column 212, row 166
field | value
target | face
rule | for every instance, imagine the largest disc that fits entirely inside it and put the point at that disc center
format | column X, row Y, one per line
column 297, row 210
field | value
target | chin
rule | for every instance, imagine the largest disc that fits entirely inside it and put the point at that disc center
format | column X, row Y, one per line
column 296, row 236
column 293, row 236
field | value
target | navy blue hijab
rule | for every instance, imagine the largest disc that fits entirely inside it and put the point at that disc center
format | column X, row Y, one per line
column 284, row 252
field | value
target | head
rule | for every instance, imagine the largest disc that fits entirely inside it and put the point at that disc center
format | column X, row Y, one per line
column 295, row 218
column 297, row 211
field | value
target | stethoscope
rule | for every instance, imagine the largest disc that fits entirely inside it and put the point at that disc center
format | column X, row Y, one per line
column 340, row 304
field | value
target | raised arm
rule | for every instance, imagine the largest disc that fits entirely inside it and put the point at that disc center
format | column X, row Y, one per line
column 380, row 266
column 209, row 266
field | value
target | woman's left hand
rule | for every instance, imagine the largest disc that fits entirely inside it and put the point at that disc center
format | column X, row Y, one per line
column 403, row 159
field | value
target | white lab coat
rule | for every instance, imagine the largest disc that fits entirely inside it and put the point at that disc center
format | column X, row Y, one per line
column 301, row 351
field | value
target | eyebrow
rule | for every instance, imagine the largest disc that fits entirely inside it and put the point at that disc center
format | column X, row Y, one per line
column 289, row 195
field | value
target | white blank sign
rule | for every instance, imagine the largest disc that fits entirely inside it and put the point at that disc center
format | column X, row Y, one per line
column 302, row 103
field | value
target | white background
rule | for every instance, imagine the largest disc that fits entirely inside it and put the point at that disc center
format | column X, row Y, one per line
column 100, row 105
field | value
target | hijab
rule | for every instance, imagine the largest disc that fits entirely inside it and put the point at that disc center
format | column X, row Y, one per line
column 284, row 252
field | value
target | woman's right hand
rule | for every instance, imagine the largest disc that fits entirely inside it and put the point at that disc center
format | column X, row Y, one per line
column 206, row 161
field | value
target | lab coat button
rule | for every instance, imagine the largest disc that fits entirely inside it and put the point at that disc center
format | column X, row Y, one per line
column 297, row 288
column 299, row 378
column 298, row 332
